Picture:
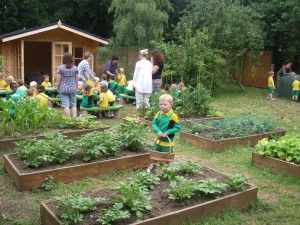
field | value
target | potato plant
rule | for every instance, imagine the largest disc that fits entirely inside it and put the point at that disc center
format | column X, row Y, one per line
column 113, row 214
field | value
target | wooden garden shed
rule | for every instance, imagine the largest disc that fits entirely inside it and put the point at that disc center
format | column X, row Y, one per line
column 31, row 53
column 262, row 68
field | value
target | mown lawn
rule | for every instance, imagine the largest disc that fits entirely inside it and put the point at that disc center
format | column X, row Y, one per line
column 279, row 195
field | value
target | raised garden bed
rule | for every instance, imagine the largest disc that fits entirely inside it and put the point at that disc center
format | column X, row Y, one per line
column 276, row 165
column 9, row 143
column 164, row 211
column 220, row 145
column 71, row 171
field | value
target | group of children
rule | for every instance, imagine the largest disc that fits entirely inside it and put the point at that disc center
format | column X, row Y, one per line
column 271, row 87
column 16, row 90
column 102, row 93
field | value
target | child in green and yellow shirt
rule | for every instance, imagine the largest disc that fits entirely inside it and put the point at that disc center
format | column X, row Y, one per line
column 165, row 125
column 296, row 88
column 113, row 86
column 2, row 81
column 271, row 86
column 121, row 81
column 88, row 97
column 41, row 98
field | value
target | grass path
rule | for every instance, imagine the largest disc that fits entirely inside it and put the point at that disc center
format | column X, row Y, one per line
column 279, row 195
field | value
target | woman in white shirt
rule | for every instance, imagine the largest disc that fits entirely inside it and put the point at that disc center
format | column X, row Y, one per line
column 142, row 79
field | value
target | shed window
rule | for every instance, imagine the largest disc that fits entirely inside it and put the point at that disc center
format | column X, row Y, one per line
column 78, row 55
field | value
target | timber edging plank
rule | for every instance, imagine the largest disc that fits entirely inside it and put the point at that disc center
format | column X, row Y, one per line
column 276, row 165
column 221, row 145
column 238, row 200
column 10, row 143
column 67, row 174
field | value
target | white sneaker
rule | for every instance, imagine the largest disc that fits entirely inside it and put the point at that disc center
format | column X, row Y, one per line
column 112, row 114
column 151, row 168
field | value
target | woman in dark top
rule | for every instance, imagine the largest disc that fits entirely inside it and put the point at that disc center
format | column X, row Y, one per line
column 158, row 62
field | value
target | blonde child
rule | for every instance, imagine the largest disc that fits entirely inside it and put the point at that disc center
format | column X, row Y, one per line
column 33, row 86
column 121, row 81
column 271, row 86
column 103, row 103
column 2, row 81
column 41, row 98
column 80, row 88
column 97, row 84
column 296, row 88
column 181, row 86
column 88, row 96
column 165, row 124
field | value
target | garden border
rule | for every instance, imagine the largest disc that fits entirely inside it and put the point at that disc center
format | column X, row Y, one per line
column 7, row 144
column 221, row 145
column 67, row 174
column 239, row 200
column 276, row 165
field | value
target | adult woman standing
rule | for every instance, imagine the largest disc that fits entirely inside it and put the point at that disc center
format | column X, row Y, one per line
column 158, row 62
column 67, row 83
column 142, row 79
column 84, row 70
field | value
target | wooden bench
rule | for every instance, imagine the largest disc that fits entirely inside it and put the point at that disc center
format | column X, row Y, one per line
column 125, row 98
column 117, row 109
column 53, row 101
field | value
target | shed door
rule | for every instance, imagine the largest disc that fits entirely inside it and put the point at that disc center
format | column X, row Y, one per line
column 58, row 50
column 18, row 52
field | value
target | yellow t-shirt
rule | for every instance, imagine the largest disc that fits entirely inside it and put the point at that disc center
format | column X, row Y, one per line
column 42, row 100
column 46, row 84
column 111, row 97
column 103, row 100
column 121, row 79
column 2, row 84
column 296, row 85
column 7, row 88
column 270, row 82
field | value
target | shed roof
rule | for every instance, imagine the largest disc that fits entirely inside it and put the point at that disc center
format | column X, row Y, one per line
column 27, row 32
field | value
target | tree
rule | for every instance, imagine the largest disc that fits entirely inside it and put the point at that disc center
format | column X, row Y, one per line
column 282, row 27
column 235, row 30
column 136, row 23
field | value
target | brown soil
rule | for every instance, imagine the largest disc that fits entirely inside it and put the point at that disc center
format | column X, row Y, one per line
column 160, row 202
column 22, row 167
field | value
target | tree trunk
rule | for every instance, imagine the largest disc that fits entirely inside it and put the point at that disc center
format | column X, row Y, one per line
column 238, row 82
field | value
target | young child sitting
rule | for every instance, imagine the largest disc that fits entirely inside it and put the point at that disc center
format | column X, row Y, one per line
column 46, row 83
column 30, row 94
column 165, row 124
column 88, row 97
column 33, row 86
column 104, row 80
column 80, row 90
column 121, row 81
column 2, row 81
column 41, row 98
column 271, row 86
column 13, row 86
column 103, row 103
column 8, row 81
column 113, row 86
column 296, row 88
column 129, row 90
column 181, row 86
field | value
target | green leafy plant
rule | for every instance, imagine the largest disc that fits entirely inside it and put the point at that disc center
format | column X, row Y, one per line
column 236, row 182
column 79, row 122
column 132, row 135
column 211, row 187
column 181, row 189
column 113, row 214
column 132, row 119
column 95, row 144
column 285, row 148
column 148, row 180
column 133, row 196
column 169, row 171
column 190, row 167
column 73, row 207
column 54, row 148
column 48, row 185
